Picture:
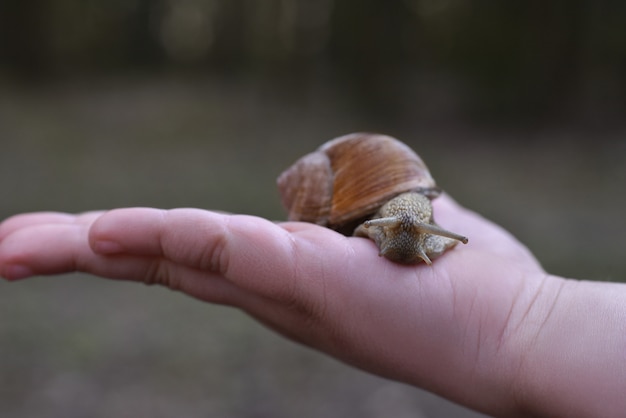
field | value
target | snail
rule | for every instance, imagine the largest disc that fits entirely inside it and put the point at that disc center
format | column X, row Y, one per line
column 372, row 186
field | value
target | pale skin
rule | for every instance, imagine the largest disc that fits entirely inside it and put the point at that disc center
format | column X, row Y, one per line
column 484, row 326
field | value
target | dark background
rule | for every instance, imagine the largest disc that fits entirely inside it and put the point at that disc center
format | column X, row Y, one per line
column 517, row 107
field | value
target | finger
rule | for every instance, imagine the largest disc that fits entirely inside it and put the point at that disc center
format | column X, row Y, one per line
column 54, row 243
column 257, row 255
column 22, row 236
column 20, row 221
column 38, row 247
column 154, row 232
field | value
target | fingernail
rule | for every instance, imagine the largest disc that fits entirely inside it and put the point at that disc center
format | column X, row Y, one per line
column 16, row 272
column 107, row 247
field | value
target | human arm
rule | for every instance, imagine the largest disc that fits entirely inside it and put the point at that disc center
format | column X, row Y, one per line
column 484, row 325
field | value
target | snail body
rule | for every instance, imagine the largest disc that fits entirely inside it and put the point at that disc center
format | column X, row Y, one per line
column 371, row 186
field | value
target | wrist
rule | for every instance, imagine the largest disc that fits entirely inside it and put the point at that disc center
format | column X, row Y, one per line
column 572, row 343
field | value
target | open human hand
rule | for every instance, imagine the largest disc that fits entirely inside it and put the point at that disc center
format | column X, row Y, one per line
column 484, row 326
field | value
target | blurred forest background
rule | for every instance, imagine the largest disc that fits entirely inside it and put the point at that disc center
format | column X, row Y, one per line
column 517, row 107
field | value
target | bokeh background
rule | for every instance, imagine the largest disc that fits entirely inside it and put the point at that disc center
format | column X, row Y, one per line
column 517, row 107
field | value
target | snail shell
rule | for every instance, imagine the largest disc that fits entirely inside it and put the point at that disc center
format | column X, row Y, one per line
column 353, row 178
column 349, row 178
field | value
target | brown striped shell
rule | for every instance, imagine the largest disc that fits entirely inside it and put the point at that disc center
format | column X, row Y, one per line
column 348, row 179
